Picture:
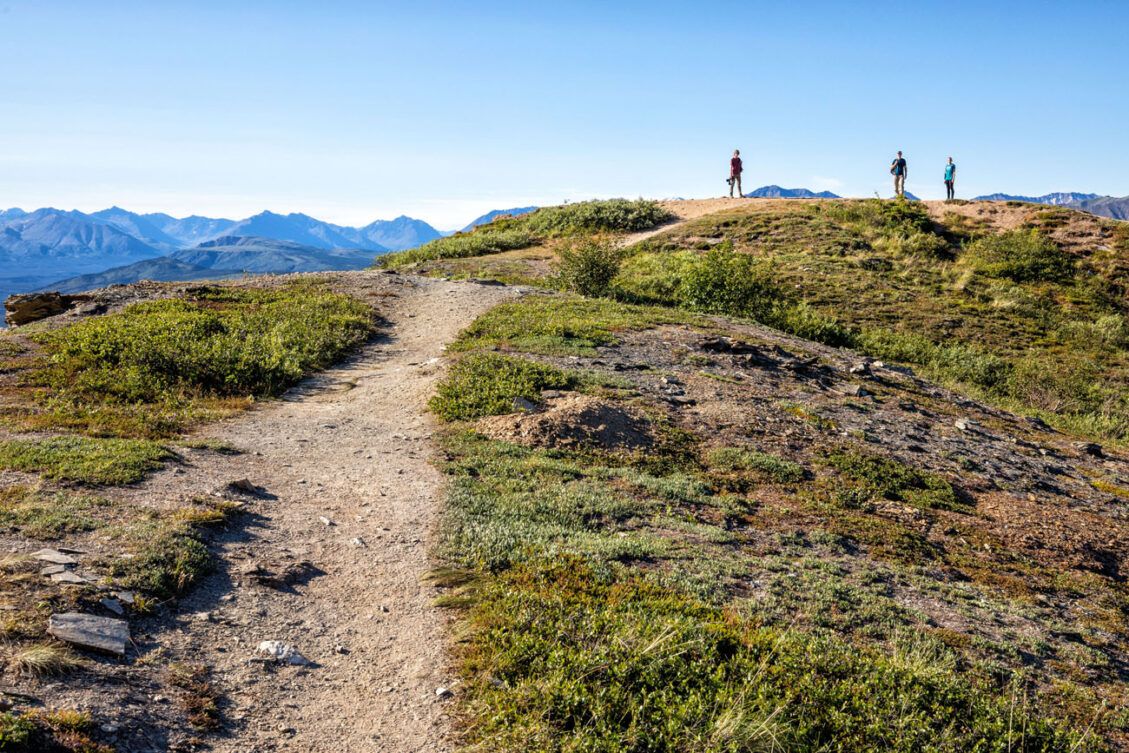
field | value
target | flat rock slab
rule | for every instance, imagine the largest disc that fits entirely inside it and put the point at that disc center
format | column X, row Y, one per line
column 54, row 556
column 66, row 576
column 88, row 631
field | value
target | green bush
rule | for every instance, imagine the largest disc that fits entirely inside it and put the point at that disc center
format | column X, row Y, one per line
column 588, row 268
column 1022, row 256
column 726, row 282
column 561, row 325
column 485, row 384
column 654, row 277
column 898, row 216
column 612, row 215
column 957, row 362
column 803, row 321
column 15, row 732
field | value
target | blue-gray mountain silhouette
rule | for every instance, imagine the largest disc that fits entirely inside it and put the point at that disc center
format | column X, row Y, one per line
column 1104, row 206
column 776, row 192
column 230, row 256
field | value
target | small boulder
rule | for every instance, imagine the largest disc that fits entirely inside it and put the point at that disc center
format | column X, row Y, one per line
column 31, row 307
column 54, row 556
column 89, row 631
column 524, row 405
column 1089, row 448
column 66, row 576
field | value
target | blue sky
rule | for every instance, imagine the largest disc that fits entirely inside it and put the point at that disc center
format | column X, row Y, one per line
column 354, row 111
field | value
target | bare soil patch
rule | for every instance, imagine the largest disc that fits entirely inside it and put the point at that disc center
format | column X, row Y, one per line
column 573, row 421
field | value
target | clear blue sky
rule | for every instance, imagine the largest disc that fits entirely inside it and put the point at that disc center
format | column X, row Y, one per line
column 353, row 111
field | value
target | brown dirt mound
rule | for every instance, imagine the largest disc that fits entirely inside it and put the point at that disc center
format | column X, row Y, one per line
column 572, row 421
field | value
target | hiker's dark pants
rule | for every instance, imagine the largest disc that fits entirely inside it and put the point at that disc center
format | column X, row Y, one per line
column 949, row 192
column 735, row 182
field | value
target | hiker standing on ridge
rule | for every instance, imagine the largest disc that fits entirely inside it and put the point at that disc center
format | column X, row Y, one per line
column 950, row 179
column 899, row 170
column 735, row 170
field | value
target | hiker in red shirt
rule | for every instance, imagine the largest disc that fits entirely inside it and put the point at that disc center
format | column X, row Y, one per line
column 735, row 173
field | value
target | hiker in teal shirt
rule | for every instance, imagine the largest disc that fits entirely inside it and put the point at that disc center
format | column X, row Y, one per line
column 950, row 178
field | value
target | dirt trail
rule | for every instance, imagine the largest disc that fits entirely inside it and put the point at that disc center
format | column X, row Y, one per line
column 351, row 446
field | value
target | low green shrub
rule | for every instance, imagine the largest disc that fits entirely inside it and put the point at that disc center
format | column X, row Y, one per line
column 15, row 732
column 898, row 216
column 1020, row 255
column 154, row 367
column 167, row 558
column 486, row 384
column 803, row 321
column 218, row 341
column 588, row 268
column 85, row 459
column 957, row 362
column 561, row 325
column 873, row 478
column 38, row 514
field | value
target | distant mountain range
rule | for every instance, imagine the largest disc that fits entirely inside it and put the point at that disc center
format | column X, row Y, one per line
column 1104, row 206
column 230, row 256
column 38, row 248
column 776, row 192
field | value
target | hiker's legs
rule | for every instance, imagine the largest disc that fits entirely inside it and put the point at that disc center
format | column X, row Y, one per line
column 732, row 182
column 950, row 193
column 899, row 185
column 737, row 180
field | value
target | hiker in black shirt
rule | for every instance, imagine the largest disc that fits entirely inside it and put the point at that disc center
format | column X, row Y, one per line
column 899, row 170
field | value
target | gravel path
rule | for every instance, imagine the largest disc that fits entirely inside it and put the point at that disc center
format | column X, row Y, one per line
column 352, row 446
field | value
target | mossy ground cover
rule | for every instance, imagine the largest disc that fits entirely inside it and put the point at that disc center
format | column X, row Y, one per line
column 724, row 594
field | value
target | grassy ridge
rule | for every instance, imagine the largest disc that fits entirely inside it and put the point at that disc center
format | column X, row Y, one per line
column 510, row 233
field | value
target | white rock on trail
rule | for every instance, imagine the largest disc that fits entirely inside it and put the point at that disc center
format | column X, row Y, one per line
column 281, row 652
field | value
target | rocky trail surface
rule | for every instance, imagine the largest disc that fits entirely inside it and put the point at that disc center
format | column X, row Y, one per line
column 333, row 553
